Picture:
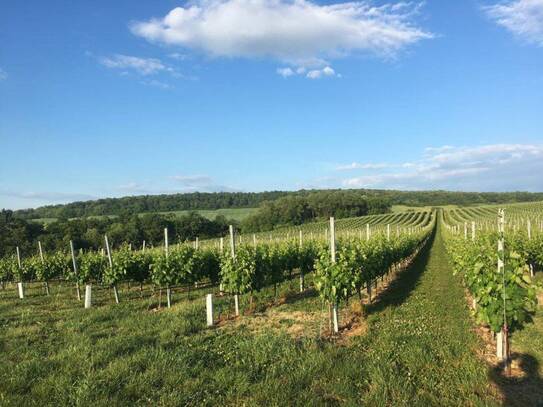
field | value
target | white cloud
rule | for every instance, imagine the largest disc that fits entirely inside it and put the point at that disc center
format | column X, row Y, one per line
column 297, row 32
column 3, row 75
column 523, row 18
column 362, row 166
column 319, row 73
column 142, row 66
column 497, row 167
column 312, row 74
column 285, row 72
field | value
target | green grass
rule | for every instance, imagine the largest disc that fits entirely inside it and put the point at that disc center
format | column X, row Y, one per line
column 418, row 348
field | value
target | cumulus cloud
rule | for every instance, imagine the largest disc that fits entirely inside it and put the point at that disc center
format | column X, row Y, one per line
column 523, row 18
column 497, row 167
column 296, row 32
column 362, row 166
column 312, row 74
column 142, row 66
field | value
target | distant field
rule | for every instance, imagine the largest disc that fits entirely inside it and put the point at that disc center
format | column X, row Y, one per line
column 230, row 213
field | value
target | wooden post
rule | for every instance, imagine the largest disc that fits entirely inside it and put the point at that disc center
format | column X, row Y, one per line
column 502, row 348
column 88, row 296
column 473, row 231
column 167, row 250
column 110, row 260
column 221, row 245
column 367, row 231
column 143, row 247
column 388, row 231
column 197, row 243
column 302, row 278
column 232, row 242
column 254, row 240
column 529, row 227
column 209, row 309
column 233, row 253
column 236, row 304
column 333, row 257
column 45, row 283
column 20, row 285
column 465, row 231
column 74, row 262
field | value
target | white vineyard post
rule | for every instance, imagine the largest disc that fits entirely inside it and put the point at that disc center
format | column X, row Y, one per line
column 20, row 285
column 254, row 240
column 388, row 231
column 167, row 251
column 197, row 243
column 88, row 296
column 221, row 248
column 45, row 283
column 367, row 231
column 301, row 271
column 143, row 247
column 333, row 257
column 209, row 309
column 465, row 231
column 529, row 227
column 233, row 253
column 74, row 262
column 502, row 345
column 110, row 261
column 473, row 230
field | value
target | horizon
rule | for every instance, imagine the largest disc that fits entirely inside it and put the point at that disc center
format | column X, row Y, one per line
column 109, row 100
column 294, row 191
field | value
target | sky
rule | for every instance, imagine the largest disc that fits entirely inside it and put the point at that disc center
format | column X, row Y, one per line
column 106, row 99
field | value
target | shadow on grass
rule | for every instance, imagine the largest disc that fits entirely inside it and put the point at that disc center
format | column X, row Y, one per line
column 406, row 281
column 525, row 386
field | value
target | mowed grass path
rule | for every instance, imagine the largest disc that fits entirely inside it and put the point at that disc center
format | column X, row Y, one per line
column 418, row 349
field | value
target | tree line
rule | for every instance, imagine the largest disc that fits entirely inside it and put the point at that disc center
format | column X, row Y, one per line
column 201, row 200
column 299, row 209
column 88, row 233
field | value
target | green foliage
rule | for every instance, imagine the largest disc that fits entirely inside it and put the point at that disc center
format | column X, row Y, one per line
column 92, row 266
column 477, row 262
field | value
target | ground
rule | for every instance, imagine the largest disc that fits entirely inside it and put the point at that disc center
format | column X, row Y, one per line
column 416, row 345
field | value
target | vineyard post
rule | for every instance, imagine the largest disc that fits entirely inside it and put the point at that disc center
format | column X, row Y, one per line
column 388, row 231
column 233, row 253
column 367, row 231
column 529, row 227
column 88, row 296
column 166, row 250
column 254, row 240
column 473, row 231
column 45, row 283
column 110, row 260
column 502, row 345
column 465, row 230
column 209, row 309
column 221, row 249
column 20, row 285
column 74, row 262
column 301, row 271
column 197, row 243
column 333, row 257
column 143, row 247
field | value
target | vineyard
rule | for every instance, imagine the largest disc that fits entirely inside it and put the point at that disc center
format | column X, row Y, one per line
column 234, row 313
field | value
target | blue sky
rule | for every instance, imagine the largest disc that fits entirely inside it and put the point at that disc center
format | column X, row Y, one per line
column 102, row 98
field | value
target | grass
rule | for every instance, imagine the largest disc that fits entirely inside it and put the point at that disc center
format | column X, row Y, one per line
column 417, row 348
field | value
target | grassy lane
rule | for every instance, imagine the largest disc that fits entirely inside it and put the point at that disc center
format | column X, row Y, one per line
column 416, row 349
